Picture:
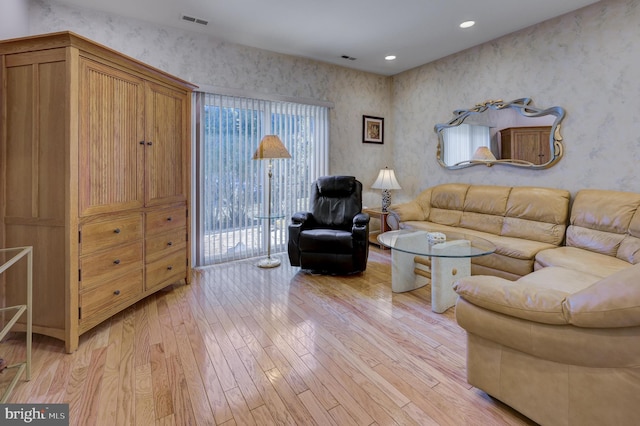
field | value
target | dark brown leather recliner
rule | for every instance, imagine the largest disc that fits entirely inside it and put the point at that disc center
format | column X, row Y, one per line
column 334, row 236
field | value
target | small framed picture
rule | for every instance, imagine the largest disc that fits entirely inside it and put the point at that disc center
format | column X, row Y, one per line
column 372, row 129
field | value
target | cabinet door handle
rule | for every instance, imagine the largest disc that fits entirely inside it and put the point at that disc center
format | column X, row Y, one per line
column 141, row 142
column 169, row 268
column 169, row 219
column 170, row 243
column 116, row 231
column 117, row 261
column 117, row 292
column 149, row 143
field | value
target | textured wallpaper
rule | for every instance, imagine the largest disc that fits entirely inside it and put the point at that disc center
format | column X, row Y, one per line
column 206, row 61
column 586, row 62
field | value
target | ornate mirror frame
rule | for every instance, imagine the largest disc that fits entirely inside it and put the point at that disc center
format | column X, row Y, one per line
column 525, row 107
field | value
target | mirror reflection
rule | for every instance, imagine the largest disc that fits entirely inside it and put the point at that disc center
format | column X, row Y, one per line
column 514, row 133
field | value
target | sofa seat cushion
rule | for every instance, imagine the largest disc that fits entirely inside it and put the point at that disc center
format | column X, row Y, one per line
column 558, row 278
column 513, row 255
column 597, row 264
column 519, row 248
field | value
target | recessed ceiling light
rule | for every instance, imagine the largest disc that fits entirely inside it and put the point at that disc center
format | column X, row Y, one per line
column 390, row 57
column 467, row 24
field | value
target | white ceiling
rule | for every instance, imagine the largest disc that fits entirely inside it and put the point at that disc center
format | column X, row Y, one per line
column 416, row 31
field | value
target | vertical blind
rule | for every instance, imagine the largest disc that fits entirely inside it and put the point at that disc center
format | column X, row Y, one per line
column 462, row 141
column 230, row 187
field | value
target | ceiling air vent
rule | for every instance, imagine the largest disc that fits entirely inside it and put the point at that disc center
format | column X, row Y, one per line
column 194, row 20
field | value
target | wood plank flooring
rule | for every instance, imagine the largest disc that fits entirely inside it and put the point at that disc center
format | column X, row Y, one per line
column 248, row 346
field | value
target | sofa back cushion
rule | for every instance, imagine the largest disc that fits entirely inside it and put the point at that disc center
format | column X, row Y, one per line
column 447, row 202
column 484, row 208
column 606, row 222
column 538, row 214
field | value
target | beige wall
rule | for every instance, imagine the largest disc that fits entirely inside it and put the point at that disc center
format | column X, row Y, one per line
column 586, row 62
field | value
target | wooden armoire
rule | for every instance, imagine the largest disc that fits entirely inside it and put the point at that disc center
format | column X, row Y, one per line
column 95, row 172
column 530, row 144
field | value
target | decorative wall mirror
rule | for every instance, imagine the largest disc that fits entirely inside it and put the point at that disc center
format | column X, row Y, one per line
column 514, row 133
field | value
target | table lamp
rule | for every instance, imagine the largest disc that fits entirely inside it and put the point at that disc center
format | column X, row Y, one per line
column 270, row 147
column 386, row 181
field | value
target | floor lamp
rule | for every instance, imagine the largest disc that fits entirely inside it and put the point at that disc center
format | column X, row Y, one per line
column 270, row 147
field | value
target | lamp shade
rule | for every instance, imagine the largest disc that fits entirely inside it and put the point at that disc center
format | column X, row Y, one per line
column 271, row 147
column 386, row 180
column 483, row 153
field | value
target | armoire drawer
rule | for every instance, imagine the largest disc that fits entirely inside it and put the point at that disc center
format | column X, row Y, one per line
column 166, row 270
column 108, row 265
column 161, row 245
column 166, row 220
column 110, row 294
column 109, row 232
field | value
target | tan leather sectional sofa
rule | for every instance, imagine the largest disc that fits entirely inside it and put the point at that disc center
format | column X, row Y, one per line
column 519, row 221
column 562, row 344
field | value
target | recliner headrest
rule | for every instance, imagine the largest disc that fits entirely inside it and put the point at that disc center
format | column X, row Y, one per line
column 330, row 186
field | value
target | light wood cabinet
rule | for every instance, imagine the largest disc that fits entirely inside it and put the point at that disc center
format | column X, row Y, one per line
column 95, row 166
column 530, row 144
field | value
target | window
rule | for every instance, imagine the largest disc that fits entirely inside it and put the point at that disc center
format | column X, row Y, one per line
column 230, row 186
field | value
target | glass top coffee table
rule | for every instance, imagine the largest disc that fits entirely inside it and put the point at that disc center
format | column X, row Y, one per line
column 450, row 261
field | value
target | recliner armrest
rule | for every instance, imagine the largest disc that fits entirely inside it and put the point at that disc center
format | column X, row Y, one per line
column 300, row 218
column 360, row 228
column 361, row 219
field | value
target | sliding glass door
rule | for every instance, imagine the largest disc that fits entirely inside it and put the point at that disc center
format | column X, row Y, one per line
column 230, row 186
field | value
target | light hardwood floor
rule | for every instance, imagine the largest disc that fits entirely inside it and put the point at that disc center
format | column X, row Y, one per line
column 248, row 346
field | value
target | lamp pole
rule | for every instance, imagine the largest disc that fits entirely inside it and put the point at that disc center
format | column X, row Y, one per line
column 269, row 262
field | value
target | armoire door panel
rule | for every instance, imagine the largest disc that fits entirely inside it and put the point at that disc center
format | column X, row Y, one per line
column 165, row 151
column 111, row 139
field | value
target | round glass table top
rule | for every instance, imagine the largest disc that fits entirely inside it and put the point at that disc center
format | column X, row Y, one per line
column 416, row 241
column 270, row 216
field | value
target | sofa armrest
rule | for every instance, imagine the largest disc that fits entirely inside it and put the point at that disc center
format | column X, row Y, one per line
column 512, row 298
column 403, row 212
column 612, row 302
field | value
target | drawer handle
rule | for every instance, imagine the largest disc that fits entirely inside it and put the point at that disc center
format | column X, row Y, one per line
column 116, row 231
column 117, row 261
column 170, row 243
column 169, row 268
column 117, row 292
column 169, row 219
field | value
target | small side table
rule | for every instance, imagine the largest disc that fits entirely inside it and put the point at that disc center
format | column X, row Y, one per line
column 382, row 217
